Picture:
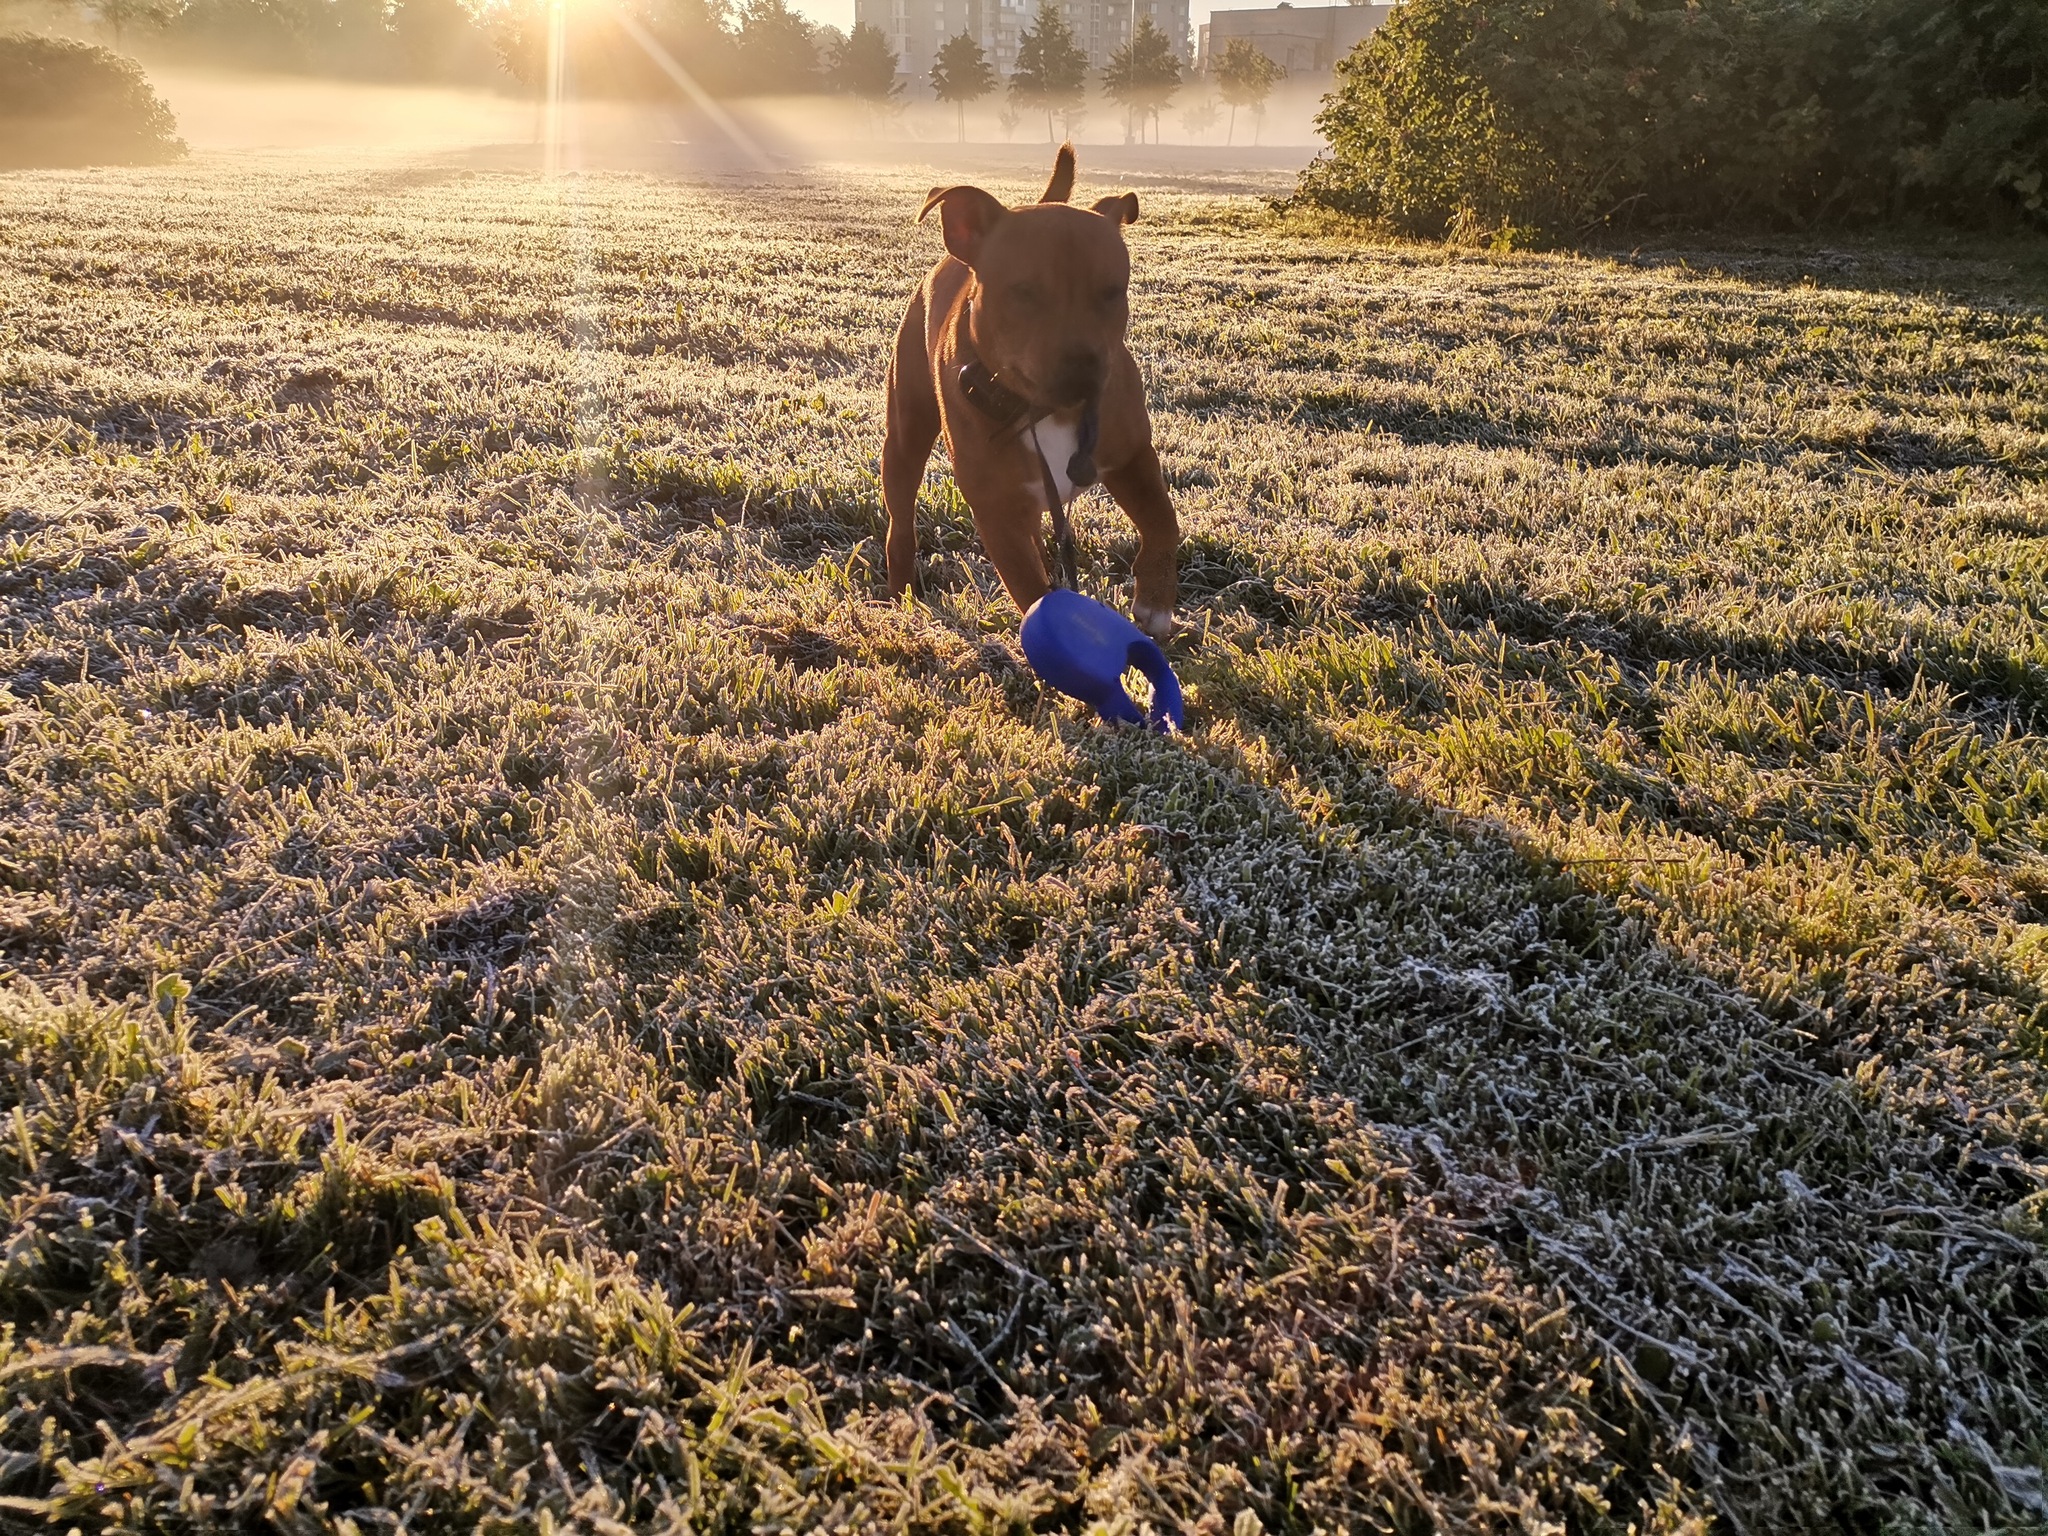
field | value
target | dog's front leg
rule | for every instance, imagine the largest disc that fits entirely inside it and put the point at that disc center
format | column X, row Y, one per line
column 1140, row 489
column 1010, row 522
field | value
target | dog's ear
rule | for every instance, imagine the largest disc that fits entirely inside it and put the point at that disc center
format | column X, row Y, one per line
column 966, row 215
column 1122, row 209
column 1061, row 187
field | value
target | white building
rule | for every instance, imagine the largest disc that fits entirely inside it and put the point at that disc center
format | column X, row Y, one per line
column 1301, row 39
column 916, row 29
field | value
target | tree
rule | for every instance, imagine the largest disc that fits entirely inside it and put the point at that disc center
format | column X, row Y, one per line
column 962, row 73
column 122, row 14
column 432, row 39
column 1246, row 77
column 585, row 40
column 348, row 37
column 1052, row 71
column 249, row 34
column 68, row 103
column 1201, row 117
column 1553, row 118
column 696, row 34
column 1142, row 77
column 864, row 66
column 778, row 50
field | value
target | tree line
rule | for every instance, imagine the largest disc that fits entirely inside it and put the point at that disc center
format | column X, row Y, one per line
column 754, row 47
column 1548, row 120
column 368, row 39
column 731, row 47
column 1051, row 76
column 728, row 47
column 765, row 48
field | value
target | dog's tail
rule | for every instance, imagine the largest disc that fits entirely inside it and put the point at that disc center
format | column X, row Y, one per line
column 1061, row 187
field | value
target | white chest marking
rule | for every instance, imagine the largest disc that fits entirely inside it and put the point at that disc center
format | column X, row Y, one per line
column 1057, row 440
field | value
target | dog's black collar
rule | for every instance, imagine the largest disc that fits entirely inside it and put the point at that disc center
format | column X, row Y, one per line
column 990, row 395
column 984, row 391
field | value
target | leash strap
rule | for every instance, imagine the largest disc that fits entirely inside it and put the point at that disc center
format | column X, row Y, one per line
column 1068, row 571
column 1007, row 409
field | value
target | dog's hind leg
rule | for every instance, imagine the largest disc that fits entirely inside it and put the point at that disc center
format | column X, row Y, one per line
column 913, row 426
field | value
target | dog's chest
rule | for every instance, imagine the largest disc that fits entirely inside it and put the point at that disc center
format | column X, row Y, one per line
column 1056, row 441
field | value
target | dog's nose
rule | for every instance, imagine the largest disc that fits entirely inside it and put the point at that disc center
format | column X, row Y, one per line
column 1079, row 377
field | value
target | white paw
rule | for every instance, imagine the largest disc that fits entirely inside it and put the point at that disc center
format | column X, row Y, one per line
column 1156, row 622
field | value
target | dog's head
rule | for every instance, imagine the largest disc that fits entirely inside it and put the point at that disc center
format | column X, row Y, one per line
column 1050, row 284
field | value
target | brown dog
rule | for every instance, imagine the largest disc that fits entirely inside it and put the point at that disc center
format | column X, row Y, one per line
column 1013, row 346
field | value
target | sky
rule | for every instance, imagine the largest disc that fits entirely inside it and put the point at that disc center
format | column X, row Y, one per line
column 833, row 13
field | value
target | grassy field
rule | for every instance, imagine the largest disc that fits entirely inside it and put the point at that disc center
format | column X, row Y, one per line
column 531, row 998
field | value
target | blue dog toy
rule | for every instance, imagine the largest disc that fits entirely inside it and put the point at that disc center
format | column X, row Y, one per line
column 1082, row 647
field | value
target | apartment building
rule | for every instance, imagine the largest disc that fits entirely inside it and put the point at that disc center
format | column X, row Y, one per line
column 916, row 28
column 1301, row 39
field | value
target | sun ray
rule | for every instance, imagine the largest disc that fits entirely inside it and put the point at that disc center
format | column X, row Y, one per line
column 558, row 63
column 702, row 98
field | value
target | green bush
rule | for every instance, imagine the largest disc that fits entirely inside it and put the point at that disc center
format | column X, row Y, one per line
column 70, row 103
column 1553, row 117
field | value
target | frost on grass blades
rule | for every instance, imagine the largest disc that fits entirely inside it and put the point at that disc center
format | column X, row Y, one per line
column 531, row 998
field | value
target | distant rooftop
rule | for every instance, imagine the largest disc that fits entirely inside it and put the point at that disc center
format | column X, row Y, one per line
column 1301, row 39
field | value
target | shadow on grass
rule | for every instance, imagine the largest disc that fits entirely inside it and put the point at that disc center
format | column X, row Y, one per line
column 1415, row 414
column 1998, row 272
column 1789, row 1296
